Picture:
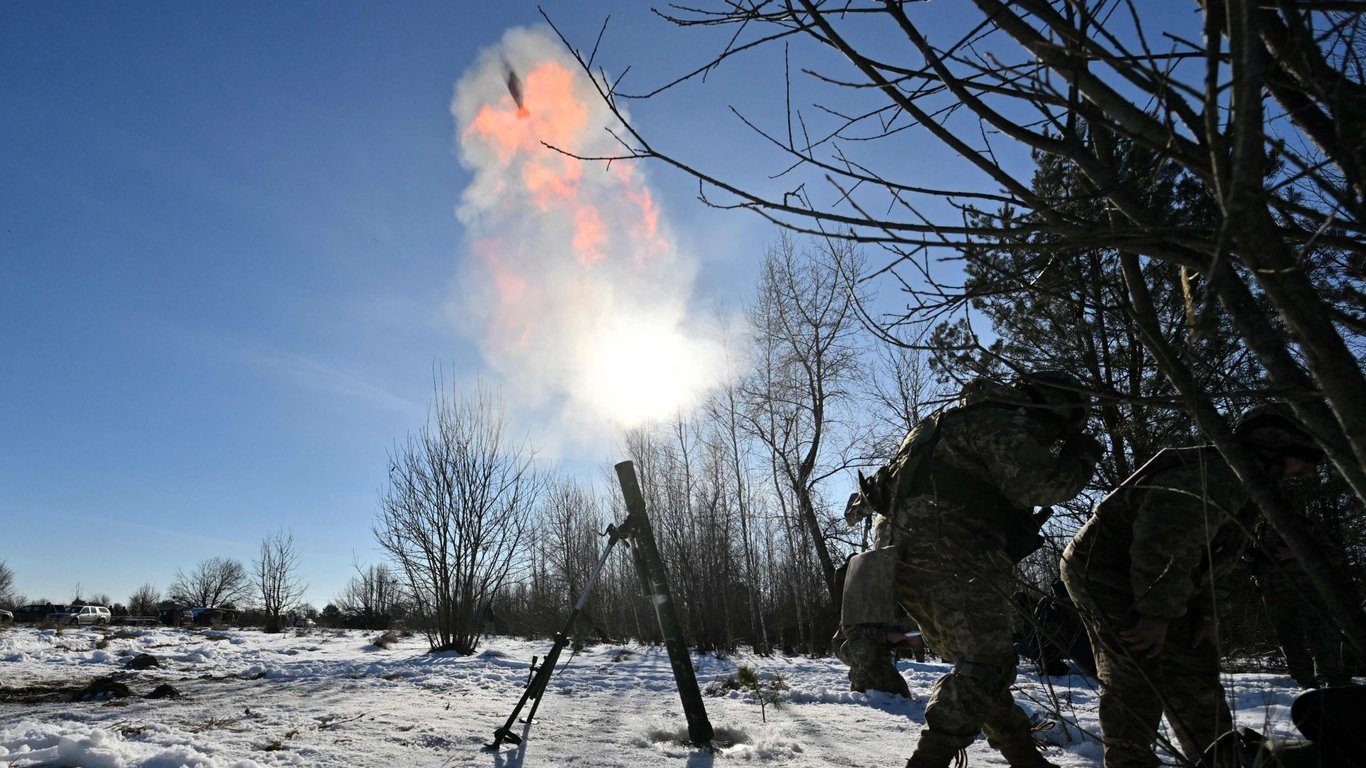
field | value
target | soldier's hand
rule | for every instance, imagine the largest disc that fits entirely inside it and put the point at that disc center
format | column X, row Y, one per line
column 855, row 510
column 1147, row 637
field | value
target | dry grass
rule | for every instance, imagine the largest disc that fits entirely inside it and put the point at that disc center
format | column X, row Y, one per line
column 125, row 728
column 279, row 744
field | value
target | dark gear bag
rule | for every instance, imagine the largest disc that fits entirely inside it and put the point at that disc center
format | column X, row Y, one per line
column 1332, row 721
column 870, row 580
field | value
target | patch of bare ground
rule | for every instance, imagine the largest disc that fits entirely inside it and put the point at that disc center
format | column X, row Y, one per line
column 111, row 689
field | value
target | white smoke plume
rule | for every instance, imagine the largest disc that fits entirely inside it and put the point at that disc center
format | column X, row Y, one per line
column 571, row 282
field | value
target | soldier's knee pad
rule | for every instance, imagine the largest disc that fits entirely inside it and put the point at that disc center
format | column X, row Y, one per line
column 862, row 644
column 990, row 674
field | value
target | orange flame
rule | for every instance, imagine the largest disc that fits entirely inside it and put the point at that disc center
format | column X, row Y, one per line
column 552, row 113
column 586, row 294
column 589, row 236
column 515, row 134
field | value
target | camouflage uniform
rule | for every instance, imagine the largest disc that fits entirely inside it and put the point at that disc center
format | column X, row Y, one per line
column 1060, row 623
column 1313, row 652
column 869, row 654
column 868, row 616
column 990, row 467
column 1155, row 548
column 1048, row 631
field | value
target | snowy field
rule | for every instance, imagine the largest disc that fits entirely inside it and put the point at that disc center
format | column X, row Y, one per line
column 332, row 698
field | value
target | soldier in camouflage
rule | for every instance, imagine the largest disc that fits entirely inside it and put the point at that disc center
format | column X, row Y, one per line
column 1313, row 652
column 957, row 507
column 1145, row 573
column 871, row 622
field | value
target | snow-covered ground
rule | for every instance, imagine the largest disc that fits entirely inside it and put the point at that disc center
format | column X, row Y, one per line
column 332, row 698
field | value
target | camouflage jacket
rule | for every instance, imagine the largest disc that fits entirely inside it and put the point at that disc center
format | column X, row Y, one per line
column 1165, row 536
column 1000, row 464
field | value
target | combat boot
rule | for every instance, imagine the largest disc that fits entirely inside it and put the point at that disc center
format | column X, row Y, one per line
column 1022, row 753
column 933, row 751
column 870, row 664
column 879, row 675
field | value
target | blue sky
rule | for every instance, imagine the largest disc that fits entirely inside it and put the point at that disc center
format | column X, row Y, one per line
column 228, row 243
column 231, row 259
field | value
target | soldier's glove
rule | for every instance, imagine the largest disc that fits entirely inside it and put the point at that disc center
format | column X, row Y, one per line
column 1084, row 444
column 856, row 509
column 874, row 493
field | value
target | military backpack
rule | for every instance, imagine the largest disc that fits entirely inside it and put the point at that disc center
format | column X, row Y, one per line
column 912, row 472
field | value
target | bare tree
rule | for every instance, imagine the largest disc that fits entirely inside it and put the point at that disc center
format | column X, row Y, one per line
column 1260, row 104
column 723, row 410
column 902, row 393
column 143, row 601
column 455, row 513
column 374, row 596
column 6, row 583
column 214, row 583
column 276, row 575
column 806, row 325
column 691, row 513
column 571, row 521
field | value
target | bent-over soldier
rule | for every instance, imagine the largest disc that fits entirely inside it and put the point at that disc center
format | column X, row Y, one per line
column 1144, row 571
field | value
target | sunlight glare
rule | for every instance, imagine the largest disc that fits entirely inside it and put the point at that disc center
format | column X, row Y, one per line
column 641, row 370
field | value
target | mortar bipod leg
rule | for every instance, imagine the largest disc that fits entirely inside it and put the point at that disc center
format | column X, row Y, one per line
column 535, row 688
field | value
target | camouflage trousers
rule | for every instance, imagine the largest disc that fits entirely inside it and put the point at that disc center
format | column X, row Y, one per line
column 1181, row 682
column 958, row 587
column 1312, row 650
column 864, row 647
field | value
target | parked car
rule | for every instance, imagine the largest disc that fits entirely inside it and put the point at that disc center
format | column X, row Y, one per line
column 82, row 614
column 34, row 613
column 6, row 617
column 207, row 617
column 170, row 615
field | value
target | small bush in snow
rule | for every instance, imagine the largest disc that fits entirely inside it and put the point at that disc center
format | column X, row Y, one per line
column 766, row 691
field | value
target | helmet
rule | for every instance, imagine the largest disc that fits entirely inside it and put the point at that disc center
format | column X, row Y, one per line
column 1061, row 393
column 1273, row 428
column 983, row 389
